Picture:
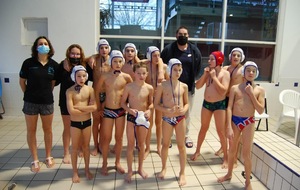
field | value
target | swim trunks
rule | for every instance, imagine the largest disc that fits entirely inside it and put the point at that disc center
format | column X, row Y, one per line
column 173, row 120
column 213, row 106
column 242, row 122
column 113, row 113
column 81, row 124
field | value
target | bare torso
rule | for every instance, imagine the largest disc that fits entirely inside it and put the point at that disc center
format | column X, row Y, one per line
column 114, row 86
column 211, row 94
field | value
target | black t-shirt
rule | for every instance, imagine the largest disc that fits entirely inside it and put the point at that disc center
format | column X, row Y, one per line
column 38, row 80
column 187, row 65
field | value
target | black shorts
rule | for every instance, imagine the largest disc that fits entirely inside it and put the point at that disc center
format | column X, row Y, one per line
column 35, row 109
column 81, row 124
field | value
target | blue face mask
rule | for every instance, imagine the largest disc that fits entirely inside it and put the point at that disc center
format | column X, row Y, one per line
column 42, row 49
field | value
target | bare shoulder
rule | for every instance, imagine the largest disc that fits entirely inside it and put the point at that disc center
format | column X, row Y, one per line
column 184, row 85
column 225, row 67
column 225, row 72
column 259, row 89
column 150, row 87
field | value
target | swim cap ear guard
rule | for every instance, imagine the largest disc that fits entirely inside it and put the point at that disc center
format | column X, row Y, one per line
column 171, row 63
column 239, row 50
column 219, row 56
column 101, row 43
column 74, row 71
column 247, row 64
column 149, row 52
column 115, row 54
column 131, row 45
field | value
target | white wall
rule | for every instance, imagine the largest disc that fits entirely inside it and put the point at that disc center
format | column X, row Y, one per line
column 69, row 21
column 76, row 21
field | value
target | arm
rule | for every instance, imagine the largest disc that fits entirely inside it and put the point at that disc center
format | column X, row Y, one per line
column 70, row 104
column 203, row 79
column 91, row 104
column 229, row 114
column 259, row 101
column 150, row 101
column 124, row 103
column 221, row 86
column 22, row 83
column 185, row 108
column 160, row 70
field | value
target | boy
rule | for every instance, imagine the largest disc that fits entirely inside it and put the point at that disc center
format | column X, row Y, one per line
column 244, row 99
column 140, row 99
column 98, row 63
column 174, row 96
column 236, row 57
column 80, row 104
column 154, row 61
column 217, row 82
column 114, row 82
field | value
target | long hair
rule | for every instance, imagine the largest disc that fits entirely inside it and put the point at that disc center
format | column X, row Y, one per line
column 34, row 52
column 82, row 56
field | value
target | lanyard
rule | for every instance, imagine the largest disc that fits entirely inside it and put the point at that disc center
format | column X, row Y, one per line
column 174, row 93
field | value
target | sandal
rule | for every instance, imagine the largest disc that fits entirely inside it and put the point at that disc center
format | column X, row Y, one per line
column 35, row 166
column 188, row 142
column 49, row 162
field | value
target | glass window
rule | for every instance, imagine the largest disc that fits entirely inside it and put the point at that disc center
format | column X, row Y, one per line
column 262, row 55
column 130, row 17
column 202, row 18
column 252, row 20
column 141, row 45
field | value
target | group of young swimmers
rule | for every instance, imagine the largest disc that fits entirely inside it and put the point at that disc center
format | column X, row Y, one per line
column 148, row 89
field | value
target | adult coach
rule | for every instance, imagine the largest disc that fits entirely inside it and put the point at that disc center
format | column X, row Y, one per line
column 190, row 57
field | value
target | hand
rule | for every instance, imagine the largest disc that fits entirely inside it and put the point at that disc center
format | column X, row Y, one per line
column 249, row 89
column 133, row 112
column 92, row 62
column 212, row 73
column 230, row 133
column 147, row 114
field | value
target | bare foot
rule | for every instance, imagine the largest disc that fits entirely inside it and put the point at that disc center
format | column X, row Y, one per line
column 120, row 169
column 219, row 152
column 128, row 177
column 104, row 170
column 162, row 174
column 248, row 186
column 147, row 152
column 224, row 165
column 94, row 152
column 143, row 174
column 224, row 178
column 195, row 156
column 66, row 159
column 75, row 178
column 182, row 180
column 89, row 175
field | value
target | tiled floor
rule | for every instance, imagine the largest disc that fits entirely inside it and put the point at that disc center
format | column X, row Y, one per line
column 201, row 174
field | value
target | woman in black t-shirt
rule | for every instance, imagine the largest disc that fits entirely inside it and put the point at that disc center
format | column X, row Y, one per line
column 37, row 79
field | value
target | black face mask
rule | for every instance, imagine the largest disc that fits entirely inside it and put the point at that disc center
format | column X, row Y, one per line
column 75, row 61
column 182, row 40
